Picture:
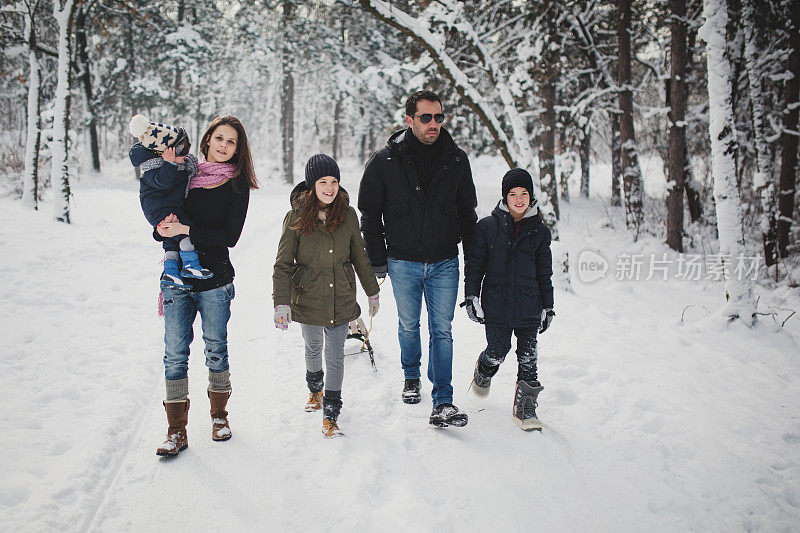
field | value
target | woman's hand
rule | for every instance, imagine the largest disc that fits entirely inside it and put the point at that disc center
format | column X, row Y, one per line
column 171, row 226
column 169, row 156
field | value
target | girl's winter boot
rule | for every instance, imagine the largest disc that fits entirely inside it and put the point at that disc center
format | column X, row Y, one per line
column 525, row 403
column 331, row 406
column 330, row 429
column 314, row 402
column 172, row 275
column 192, row 267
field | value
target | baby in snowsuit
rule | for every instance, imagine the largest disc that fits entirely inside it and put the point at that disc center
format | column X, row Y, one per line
column 510, row 266
column 162, row 191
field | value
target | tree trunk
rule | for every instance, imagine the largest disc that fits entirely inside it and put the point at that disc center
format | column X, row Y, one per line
column 762, row 179
column 30, row 181
column 738, row 292
column 788, row 179
column 677, row 131
column 547, row 156
column 616, row 161
column 287, row 100
column 337, row 128
column 63, row 12
column 585, row 150
column 567, row 168
column 690, row 185
column 631, row 173
column 86, row 81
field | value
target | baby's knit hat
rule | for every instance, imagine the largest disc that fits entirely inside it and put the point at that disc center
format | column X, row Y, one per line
column 158, row 137
column 319, row 166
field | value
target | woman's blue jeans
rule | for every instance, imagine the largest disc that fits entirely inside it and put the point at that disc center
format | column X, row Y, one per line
column 180, row 309
column 438, row 282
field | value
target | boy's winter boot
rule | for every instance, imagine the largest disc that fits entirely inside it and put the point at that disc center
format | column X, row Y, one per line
column 177, row 417
column 192, row 267
column 447, row 414
column 525, row 403
column 331, row 406
column 411, row 389
column 314, row 402
column 220, row 430
column 481, row 381
column 172, row 274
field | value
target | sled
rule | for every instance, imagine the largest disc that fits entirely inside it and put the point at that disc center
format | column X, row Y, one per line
column 358, row 330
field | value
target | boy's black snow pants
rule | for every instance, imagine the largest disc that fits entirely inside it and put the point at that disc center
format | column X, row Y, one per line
column 498, row 340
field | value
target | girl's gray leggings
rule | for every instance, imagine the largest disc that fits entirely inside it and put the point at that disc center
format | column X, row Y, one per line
column 334, row 338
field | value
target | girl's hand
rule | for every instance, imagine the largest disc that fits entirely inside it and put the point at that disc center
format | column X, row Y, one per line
column 374, row 305
column 282, row 316
column 169, row 156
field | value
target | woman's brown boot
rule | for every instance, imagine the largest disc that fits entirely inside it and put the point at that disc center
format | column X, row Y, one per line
column 177, row 417
column 220, row 430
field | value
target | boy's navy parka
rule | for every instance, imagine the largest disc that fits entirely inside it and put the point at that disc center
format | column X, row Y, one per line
column 511, row 273
column 162, row 190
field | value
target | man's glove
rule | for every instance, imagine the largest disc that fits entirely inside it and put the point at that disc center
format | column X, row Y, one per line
column 282, row 316
column 547, row 318
column 381, row 271
column 373, row 305
column 474, row 311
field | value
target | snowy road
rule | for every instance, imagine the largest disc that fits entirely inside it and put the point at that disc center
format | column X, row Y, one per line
column 650, row 424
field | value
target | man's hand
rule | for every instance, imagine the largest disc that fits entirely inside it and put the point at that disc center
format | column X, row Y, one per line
column 380, row 271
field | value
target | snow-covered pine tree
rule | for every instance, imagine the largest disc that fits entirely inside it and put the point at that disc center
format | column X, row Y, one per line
column 427, row 30
column 738, row 292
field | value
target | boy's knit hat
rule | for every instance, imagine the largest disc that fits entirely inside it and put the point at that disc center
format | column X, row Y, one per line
column 319, row 166
column 518, row 177
column 158, row 137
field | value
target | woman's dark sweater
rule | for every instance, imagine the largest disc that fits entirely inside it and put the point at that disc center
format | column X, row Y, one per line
column 218, row 215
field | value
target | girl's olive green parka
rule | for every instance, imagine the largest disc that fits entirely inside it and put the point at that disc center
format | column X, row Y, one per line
column 314, row 274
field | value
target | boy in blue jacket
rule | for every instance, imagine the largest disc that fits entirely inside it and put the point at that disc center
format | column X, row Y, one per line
column 166, row 168
column 510, row 266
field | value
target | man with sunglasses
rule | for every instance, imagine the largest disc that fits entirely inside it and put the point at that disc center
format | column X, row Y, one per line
column 417, row 201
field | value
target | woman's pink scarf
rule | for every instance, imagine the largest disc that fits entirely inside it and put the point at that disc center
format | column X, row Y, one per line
column 212, row 174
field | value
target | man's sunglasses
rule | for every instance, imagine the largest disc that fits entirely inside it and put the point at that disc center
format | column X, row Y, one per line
column 426, row 117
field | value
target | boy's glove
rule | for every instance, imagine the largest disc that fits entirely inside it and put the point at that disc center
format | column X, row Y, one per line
column 380, row 272
column 373, row 305
column 474, row 311
column 282, row 316
column 547, row 318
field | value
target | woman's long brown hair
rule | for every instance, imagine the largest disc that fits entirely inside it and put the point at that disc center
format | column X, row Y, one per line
column 310, row 206
column 242, row 160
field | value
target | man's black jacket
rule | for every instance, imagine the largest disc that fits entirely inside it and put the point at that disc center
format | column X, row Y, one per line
column 404, row 220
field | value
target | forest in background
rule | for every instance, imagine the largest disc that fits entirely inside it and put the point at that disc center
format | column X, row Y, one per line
column 710, row 87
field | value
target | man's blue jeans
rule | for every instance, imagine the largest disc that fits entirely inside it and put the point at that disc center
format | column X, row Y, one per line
column 180, row 309
column 438, row 282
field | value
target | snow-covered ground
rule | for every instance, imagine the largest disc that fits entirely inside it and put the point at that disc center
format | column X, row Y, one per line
column 651, row 422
